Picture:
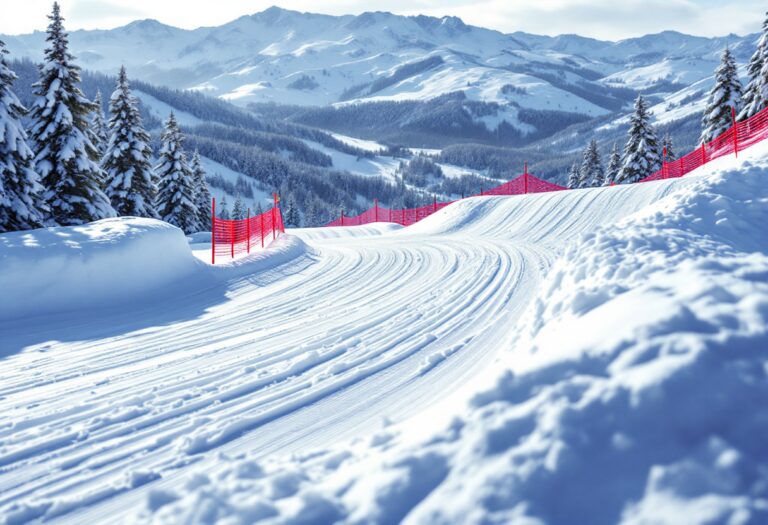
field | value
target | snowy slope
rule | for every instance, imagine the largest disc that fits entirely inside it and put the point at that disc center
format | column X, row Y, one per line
column 110, row 414
column 633, row 392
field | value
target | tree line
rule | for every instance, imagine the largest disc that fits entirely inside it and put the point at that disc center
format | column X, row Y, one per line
column 643, row 153
column 72, row 166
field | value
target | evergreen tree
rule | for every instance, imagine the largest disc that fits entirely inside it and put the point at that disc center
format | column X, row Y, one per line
column 65, row 158
column 754, row 98
column 21, row 203
column 202, row 194
column 238, row 209
column 724, row 97
column 130, row 182
column 98, row 126
column 614, row 165
column 641, row 153
column 574, row 176
column 667, row 146
column 223, row 209
column 176, row 188
column 313, row 215
column 591, row 171
column 292, row 216
column 258, row 209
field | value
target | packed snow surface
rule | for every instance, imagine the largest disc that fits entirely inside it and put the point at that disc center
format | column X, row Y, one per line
column 84, row 267
column 591, row 356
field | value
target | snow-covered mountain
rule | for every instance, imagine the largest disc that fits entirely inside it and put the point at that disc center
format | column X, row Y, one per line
column 288, row 57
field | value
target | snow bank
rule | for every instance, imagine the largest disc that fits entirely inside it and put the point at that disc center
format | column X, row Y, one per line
column 634, row 394
column 78, row 267
column 286, row 248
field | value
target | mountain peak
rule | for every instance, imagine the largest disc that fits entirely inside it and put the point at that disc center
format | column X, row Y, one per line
column 148, row 26
column 274, row 15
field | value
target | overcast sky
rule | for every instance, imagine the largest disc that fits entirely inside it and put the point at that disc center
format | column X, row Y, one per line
column 606, row 19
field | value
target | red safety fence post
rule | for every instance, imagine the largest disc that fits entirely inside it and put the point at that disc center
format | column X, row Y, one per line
column 703, row 154
column 342, row 217
column 664, row 163
column 735, row 133
column 525, row 177
column 261, row 230
column 248, row 229
column 434, row 203
column 213, row 231
column 375, row 210
column 274, row 206
column 232, row 236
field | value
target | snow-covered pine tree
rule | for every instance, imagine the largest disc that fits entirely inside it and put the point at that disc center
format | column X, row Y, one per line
column 202, row 194
column 99, row 130
column 224, row 209
column 238, row 209
column 591, row 172
column 754, row 100
column 176, row 188
column 573, row 176
column 641, row 153
column 21, row 203
column 292, row 215
column 313, row 215
column 127, row 159
column 668, row 147
column 614, row 165
column 65, row 158
column 724, row 97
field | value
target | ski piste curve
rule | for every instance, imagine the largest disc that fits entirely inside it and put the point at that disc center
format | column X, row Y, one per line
column 347, row 328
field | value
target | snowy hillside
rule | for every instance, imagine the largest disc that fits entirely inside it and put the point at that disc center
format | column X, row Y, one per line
column 599, row 349
column 289, row 57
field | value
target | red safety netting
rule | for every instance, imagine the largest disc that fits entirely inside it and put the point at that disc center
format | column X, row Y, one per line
column 525, row 183
column 231, row 238
column 739, row 137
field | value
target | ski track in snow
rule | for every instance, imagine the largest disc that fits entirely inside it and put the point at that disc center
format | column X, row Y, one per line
column 370, row 323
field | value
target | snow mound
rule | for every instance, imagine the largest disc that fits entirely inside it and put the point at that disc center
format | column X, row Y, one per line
column 635, row 393
column 111, row 261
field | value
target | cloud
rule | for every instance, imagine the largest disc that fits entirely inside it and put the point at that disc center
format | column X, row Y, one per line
column 609, row 19
column 91, row 10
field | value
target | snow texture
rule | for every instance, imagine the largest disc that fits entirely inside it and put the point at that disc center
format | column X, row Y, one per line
column 634, row 394
column 592, row 356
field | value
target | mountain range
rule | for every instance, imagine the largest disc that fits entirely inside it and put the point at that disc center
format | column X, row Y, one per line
column 287, row 57
column 306, row 88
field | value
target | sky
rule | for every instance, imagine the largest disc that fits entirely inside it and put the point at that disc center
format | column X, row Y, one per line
column 604, row 19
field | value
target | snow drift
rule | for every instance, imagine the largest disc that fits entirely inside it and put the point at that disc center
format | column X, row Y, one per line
column 107, row 262
column 634, row 394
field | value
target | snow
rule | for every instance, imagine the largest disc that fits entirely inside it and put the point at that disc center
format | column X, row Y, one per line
column 107, row 262
column 591, row 356
column 634, row 393
column 212, row 167
column 378, row 166
column 161, row 110
column 367, row 145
